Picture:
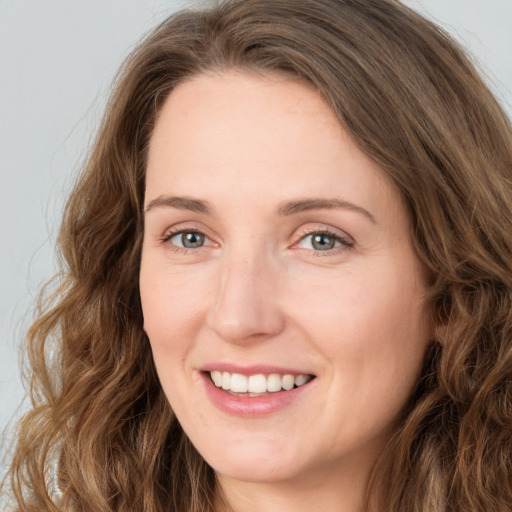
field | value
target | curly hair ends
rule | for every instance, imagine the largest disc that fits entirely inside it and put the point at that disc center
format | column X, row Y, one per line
column 102, row 436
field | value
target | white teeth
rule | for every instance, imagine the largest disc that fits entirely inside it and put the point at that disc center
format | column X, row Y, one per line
column 239, row 383
column 257, row 384
column 217, row 378
column 300, row 380
column 288, row 382
column 274, row 382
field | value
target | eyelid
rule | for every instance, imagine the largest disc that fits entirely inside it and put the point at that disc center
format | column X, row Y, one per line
column 172, row 232
column 344, row 238
column 184, row 227
column 346, row 241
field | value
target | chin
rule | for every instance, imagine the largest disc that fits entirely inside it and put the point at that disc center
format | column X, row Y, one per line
column 253, row 462
column 261, row 472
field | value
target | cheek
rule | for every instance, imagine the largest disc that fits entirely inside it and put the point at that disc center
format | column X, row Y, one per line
column 173, row 305
column 371, row 326
column 375, row 340
column 363, row 308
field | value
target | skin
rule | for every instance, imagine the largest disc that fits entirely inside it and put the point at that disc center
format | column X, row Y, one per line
column 258, row 291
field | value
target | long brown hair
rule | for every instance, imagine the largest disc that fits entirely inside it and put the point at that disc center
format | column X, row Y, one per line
column 101, row 431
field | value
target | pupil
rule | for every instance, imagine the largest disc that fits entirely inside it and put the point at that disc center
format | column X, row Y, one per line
column 323, row 242
column 192, row 240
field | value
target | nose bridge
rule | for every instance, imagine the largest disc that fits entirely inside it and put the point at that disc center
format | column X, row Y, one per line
column 245, row 306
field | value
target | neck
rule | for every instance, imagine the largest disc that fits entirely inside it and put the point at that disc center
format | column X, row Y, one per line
column 329, row 492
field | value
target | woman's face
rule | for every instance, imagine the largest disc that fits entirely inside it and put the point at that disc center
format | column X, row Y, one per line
column 283, row 301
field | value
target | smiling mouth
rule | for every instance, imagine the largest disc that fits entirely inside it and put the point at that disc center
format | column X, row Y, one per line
column 258, row 384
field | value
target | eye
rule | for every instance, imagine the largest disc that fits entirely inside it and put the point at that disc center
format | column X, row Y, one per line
column 187, row 239
column 323, row 241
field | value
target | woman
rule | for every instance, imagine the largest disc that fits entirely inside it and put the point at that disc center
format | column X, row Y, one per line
column 288, row 276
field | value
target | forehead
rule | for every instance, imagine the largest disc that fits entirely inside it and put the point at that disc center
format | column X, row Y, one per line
column 231, row 135
column 238, row 105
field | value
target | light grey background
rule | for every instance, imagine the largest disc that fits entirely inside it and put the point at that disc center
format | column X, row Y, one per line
column 57, row 59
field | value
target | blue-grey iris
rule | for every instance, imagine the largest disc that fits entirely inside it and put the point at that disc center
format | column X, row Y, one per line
column 322, row 242
column 192, row 240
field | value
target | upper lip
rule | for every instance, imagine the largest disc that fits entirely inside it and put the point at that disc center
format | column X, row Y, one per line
column 252, row 369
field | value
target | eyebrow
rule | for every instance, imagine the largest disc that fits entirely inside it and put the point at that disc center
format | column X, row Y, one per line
column 304, row 205
column 286, row 209
column 181, row 203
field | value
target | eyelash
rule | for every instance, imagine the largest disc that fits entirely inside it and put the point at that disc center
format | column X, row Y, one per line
column 171, row 234
column 345, row 241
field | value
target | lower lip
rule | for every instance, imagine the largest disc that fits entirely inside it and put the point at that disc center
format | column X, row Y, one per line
column 251, row 406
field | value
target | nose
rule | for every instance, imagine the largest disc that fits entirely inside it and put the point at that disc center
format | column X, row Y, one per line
column 246, row 307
